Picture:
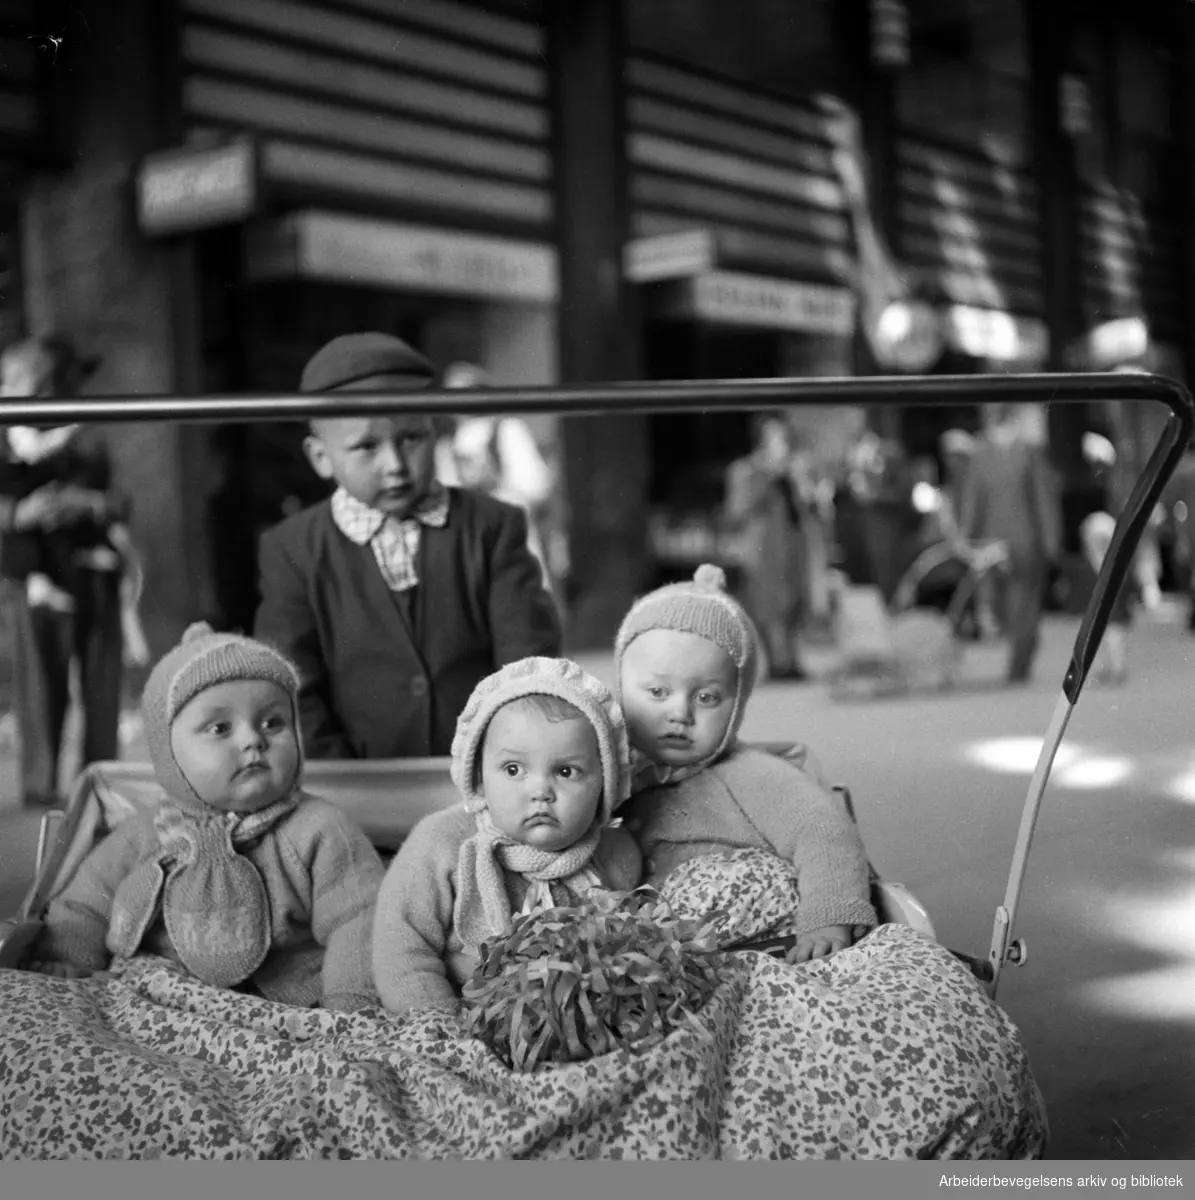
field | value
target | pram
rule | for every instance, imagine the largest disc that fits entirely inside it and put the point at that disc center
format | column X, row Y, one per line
column 96, row 1066
column 386, row 797
column 245, row 1048
column 906, row 646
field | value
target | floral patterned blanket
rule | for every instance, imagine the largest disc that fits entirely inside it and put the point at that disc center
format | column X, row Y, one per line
column 888, row 1050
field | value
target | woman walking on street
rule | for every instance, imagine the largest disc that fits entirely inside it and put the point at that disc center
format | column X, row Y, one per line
column 1009, row 495
column 765, row 500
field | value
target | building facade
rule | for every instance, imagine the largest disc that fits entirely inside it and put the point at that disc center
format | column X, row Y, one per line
column 587, row 192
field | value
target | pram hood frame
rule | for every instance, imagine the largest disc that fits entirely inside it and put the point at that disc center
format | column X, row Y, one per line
column 607, row 399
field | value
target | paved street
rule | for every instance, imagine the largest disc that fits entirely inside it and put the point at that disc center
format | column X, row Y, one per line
column 1106, row 1001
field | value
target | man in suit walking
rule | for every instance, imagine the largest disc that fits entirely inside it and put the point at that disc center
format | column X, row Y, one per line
column 396, row 596
column 1009, row 495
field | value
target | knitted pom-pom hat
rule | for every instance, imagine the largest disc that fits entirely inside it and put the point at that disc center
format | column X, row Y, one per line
column 558, row 677
column 203, row 659
column 703, row 607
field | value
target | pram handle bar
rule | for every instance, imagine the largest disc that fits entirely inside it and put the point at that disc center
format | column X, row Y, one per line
column 613, row 398
column 724, row 395
column 1147, row 491
column 707, row 395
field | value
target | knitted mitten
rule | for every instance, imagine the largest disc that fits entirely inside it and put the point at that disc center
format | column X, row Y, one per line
column 214, row 904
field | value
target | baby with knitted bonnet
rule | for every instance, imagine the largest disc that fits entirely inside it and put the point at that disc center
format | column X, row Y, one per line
column 541, row 759
column 237, row 875
column 704, row 805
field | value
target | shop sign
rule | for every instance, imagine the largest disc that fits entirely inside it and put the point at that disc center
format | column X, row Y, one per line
column 733, row 299
column 333, row 246
column 998, row 336
column 187, row 189
column 669, row 256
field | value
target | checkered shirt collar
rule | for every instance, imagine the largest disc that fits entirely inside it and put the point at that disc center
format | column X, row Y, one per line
column 360, row 523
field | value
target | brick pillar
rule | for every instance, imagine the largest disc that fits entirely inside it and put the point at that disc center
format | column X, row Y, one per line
column 605, row 458
column 91, row 275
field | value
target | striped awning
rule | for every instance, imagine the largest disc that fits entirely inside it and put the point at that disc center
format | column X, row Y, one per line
column 418, row 108
column 968, row 226
column 1131, row 262
column 752, row 169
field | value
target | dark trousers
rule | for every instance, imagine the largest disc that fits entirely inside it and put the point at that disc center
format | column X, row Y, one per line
column 1019, row 593
column 45, row 643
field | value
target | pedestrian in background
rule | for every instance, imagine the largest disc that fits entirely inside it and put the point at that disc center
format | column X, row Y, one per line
column 1010, row 495
column 1095, row 534
column 71, row 576
column 498, row 455
column 765, row 502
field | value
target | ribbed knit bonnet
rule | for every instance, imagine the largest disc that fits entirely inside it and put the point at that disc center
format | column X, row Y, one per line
column 539, row 676
column 703, row 607
column 203, row 659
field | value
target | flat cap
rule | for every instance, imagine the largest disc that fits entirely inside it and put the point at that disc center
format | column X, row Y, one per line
column 357, row 356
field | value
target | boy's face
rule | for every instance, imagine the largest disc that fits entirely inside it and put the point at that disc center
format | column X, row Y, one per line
column 678, row 694
column 387, row 463
column 541, row 778
column 236, row 745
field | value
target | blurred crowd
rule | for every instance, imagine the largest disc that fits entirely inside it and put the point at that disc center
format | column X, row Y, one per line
column 981, row 524
column 976, row 531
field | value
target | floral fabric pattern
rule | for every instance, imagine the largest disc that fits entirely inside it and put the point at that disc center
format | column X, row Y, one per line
column 743, row 895
column 887, row 1050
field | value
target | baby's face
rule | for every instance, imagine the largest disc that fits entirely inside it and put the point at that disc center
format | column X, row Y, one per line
column 541, row 777
column 387, row 463
column 678, row 694
column 236, row 745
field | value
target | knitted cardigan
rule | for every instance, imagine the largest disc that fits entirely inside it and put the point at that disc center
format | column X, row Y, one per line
column 321, row 876
column 418, row 956
column 750, row 798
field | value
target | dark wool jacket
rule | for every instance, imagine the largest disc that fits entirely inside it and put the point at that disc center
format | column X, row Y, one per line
column 383, row 678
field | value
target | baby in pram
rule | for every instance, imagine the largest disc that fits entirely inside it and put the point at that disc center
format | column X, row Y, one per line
column 714, row 817
column 540, row 758
column 237, row 875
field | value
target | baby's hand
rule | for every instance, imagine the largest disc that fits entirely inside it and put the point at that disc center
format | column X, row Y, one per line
column 820, row 943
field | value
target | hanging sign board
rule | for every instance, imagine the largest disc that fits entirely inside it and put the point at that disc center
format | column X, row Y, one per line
column 669, row 255
column 349, row 249
column 197, row 188
column 729, row 298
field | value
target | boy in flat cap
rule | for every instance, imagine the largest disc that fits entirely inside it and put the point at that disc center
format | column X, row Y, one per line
column 396, row 596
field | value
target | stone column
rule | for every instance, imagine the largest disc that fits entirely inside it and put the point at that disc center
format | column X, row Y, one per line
column 91, row 275
column 605, row 458
column 1183, row 102
column 1056, row 170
